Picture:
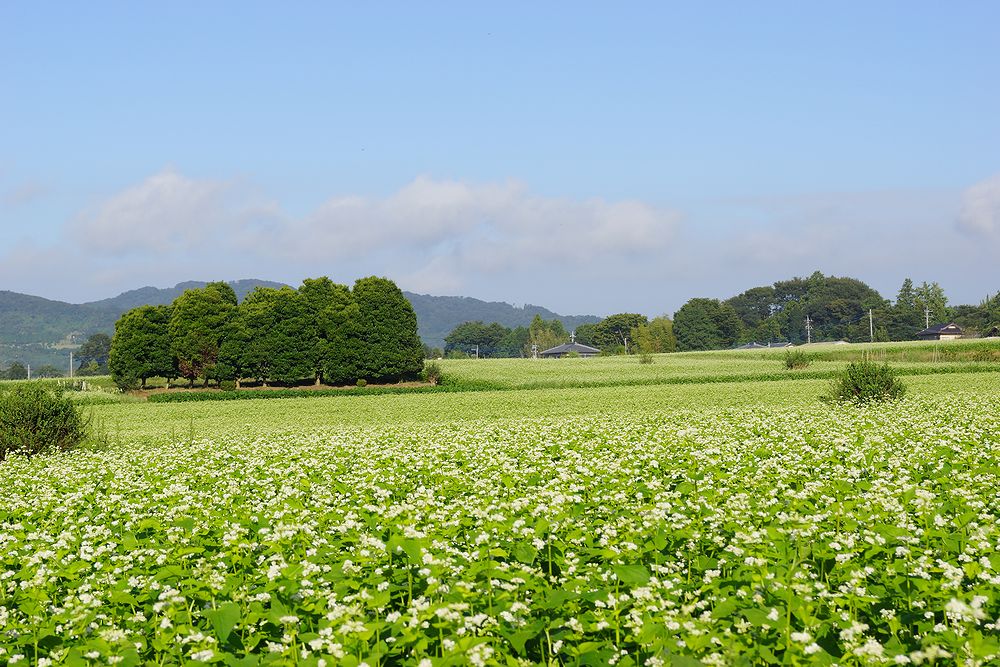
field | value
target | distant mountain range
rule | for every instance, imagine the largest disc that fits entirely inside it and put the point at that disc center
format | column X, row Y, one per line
column 41, row 331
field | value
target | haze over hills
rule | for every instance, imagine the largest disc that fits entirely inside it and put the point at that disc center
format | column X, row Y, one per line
column 41, row 331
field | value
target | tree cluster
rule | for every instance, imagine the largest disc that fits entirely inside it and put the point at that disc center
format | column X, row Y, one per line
column 322, row 331
column 613, row 335
column 837, row 308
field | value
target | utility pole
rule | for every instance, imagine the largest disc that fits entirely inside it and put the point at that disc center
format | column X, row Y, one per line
column 927, row 317
column 871, row 326
column 477, row 350
column 29, row 369
column 809, row 328
column 71, row 363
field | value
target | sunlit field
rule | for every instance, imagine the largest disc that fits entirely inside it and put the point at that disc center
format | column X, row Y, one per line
column 732, row 518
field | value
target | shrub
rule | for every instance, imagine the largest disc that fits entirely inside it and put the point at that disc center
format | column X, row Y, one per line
column 34, row 419
column 431, row 372
column 864, row 382
column 227, row 385
column 645, row 358
column 796, row 359
column 362, row 383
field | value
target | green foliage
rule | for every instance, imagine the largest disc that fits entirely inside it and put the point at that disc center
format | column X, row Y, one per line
column 36, row 419
column 431, row 372
column 546, row 334
column 866, row 382
column 271, row 337
column 706, row 324
column 614, row 331
column 93, row 355
column 836, row 306
column 140, row 348
column 198, row 321
column 16, row 371
column 796, row 359
column 576, row 513
column 645, row 358
column 585, row 334
column 227, row 385
column 361, row 382
column 387, row 327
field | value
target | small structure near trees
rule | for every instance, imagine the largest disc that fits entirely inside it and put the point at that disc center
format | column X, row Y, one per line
column 949, row 331
column 570, row 348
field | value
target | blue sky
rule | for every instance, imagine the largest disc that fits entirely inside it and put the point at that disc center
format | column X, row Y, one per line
column 584, row 157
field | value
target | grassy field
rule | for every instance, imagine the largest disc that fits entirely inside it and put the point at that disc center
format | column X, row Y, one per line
column 587, row 512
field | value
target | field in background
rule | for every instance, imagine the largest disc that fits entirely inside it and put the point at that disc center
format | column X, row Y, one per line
column 703, row 509
column 729, row 365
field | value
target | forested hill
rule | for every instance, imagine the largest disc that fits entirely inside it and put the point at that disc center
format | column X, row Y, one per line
column 41, row 331
column 438, row 315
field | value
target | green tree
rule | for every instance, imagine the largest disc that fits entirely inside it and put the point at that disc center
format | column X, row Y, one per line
column 198, row 323
column 468, row 336
column 387, row 325
column 278, row 333
column 48, row 371
column 661, row 330
column 706, row 324
column 585, row 334
column 931, row 297
column 140, row 348
column 546, row 334
column 94, row 353
column 17, row 371
column 614, row 332
column 332, row 324
column 513, row 342
column 335, row 317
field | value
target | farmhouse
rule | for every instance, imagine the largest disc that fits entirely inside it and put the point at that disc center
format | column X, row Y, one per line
column 569, row 348
column 949, row 331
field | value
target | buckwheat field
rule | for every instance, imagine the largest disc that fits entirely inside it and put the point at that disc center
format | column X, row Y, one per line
column 720, row 523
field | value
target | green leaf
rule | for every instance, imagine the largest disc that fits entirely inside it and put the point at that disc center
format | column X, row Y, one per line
column 223, row 618
column 633, row 575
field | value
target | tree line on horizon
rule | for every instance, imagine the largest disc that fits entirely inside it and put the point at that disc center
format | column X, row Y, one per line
column 323, row 331
column 837, row 308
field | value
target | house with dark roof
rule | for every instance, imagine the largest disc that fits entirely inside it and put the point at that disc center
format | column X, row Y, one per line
column 569, row 348
column 949, row 331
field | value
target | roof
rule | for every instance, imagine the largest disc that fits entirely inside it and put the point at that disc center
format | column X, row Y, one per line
column 760, row 346
column 566, row 348
column 938, row 329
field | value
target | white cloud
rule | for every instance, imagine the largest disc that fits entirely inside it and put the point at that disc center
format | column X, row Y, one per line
column 980, row 214
column 502, row 241
column 166, row 213
column 487, row 227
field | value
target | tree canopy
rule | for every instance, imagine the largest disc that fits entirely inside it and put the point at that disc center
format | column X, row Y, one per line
column 322, row 331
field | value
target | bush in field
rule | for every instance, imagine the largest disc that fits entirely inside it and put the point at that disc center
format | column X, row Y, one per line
column 645, row 358
column 431, row 372
column 34, row 419
column 866, row 382
column 796, row 359
column 227, row 385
